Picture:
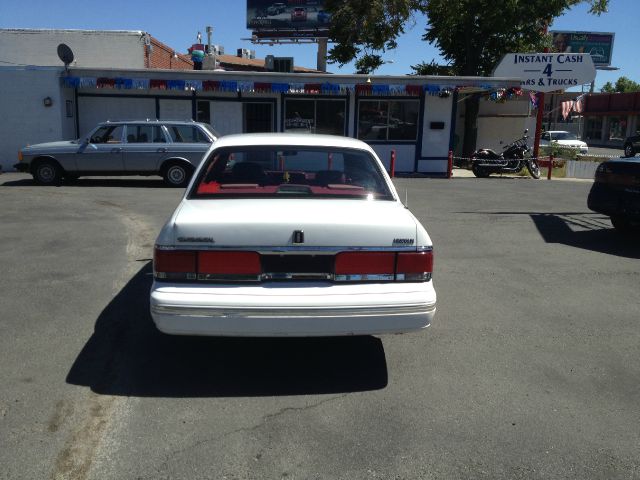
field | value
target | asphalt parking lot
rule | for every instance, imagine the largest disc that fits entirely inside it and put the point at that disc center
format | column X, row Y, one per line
column 530, row 370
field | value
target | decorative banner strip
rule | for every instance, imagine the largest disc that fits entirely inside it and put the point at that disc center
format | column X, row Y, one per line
column 262, row 87
column 104, row 82
column 176, row 84
column 380, row 89
column 229, row 86
column 245, row 86
column 296, row 87
column 158, row 84
column 71, row 82
column 88, row 82
column 140, row 83
column 123, row 83
column 363, row 89
column 280, row 87
column 312, row 88
column 432, row 89
column 413, row 89
column 209, row 85
column 330, row 88
column 193, row 85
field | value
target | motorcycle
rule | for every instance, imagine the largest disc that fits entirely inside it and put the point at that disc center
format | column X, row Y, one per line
column 513, row 159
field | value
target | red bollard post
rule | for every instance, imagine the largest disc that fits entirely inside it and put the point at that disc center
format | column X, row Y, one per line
column 392, row 167
column 550, row 166
column 450, row 165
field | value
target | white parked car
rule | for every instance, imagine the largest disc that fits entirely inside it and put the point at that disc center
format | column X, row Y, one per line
column 563, row 139
column 292, row 235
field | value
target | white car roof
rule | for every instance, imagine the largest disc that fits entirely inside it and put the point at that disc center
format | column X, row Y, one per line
column 293, row 139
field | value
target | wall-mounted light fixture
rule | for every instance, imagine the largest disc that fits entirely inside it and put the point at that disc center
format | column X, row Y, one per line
column 47, row 102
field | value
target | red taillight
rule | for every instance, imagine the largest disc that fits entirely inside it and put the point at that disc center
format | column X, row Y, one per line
column 213, row 265
column 174, row 264
column 414, row 266
column 354, row 266
column 372, row 266
column 206, row 265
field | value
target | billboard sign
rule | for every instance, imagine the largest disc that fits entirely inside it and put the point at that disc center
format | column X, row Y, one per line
column 598, row 44
column 292, row 15
column 547, row 72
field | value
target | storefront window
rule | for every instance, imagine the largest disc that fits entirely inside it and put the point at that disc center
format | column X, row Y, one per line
column 388, row 120
column 593, row 130
column 617, row 128
column 315, row 116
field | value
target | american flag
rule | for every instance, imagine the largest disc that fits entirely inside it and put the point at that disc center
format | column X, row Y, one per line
column 566, row 108
column 578, row 106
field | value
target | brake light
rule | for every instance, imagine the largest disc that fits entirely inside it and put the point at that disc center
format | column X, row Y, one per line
column 358, row 266
column 174, row 264
column 414, row 266
column 228, row 265
column 384, row 266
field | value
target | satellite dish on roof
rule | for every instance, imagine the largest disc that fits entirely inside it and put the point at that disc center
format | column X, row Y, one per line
column 65, row 54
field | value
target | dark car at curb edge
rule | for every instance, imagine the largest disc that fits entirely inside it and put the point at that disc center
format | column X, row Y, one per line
column 616, row 193
column 171, row 149
column 631, row 145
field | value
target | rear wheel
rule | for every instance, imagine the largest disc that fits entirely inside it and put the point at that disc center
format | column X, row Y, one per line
column 629, row 151
column 47, row 172
column 479, row 171
column 623, row 225
column 177, row 174
column 534, row 168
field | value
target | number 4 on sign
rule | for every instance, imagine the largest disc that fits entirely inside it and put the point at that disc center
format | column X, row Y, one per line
column 547, row 70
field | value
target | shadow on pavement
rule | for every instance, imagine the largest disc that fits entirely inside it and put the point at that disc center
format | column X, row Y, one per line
column 589, row 231
column 94, row 182
column 127, row 355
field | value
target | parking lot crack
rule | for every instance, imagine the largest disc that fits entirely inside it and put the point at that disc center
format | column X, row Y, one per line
column 263, row 421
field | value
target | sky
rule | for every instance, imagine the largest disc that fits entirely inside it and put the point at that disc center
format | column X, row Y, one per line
column 177, row 24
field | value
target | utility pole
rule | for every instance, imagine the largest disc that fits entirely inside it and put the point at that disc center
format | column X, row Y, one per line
column 322, row 54
column 539, row 117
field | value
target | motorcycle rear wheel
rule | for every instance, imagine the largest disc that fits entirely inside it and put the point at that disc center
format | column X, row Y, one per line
column 479, row 171
column 534, row 168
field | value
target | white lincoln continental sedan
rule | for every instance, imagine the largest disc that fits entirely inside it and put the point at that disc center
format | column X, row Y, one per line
column 292, row 235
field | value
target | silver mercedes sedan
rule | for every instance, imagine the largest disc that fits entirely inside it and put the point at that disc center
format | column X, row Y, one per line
column 171, row 149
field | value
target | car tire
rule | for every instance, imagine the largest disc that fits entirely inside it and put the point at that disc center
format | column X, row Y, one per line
column 629, row 151
column 47, row 172
column 625, row 226
column 177, row 174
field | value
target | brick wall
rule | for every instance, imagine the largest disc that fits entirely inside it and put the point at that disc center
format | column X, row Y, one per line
column 163, row 56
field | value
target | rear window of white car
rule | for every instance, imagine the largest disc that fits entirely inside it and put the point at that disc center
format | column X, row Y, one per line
column 290, row 171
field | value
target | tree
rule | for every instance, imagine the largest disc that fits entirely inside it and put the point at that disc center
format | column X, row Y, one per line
column 472, row 35
column 623, row 85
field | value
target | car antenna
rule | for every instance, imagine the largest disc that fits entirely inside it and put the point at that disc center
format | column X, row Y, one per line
column 406, row 198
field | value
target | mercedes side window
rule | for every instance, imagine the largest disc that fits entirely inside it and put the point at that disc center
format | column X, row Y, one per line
column 145, row 134
column 107, row 134
column 187, row 134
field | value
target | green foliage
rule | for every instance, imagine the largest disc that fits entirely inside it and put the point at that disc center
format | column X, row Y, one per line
column 623, row 85
column 472, row 35
column 432, row 68
column 362, row 27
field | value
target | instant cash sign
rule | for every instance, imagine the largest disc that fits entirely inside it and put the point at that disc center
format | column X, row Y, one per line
column 547, row 72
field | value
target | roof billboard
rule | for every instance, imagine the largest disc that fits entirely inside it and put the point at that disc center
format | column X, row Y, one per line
column 289, row 15
column 598, row 44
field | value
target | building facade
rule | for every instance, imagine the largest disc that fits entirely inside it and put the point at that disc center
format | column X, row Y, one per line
column 609, row 118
